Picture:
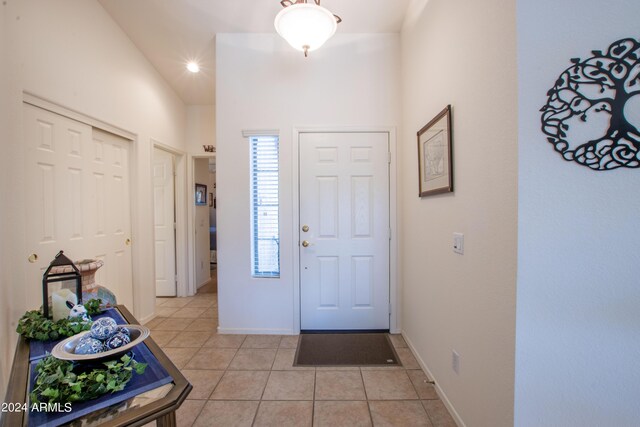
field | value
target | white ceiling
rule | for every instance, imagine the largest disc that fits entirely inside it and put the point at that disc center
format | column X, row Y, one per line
column 172, row 32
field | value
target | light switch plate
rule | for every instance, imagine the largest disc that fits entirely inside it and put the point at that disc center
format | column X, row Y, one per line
column 458, row 243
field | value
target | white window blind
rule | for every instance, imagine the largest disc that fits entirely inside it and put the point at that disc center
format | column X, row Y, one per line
column 265, row 206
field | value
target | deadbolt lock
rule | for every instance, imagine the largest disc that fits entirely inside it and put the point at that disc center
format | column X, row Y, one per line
column 305, row 228
column 305, row 243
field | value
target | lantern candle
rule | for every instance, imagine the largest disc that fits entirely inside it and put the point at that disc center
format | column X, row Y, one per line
column 59, row 304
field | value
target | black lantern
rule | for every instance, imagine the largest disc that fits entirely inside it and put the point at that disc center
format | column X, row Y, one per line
column 61, row 269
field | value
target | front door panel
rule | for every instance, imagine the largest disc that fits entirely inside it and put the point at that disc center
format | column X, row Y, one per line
column 344, row 254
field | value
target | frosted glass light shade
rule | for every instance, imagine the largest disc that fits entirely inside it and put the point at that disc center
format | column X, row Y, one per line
column 305, row 26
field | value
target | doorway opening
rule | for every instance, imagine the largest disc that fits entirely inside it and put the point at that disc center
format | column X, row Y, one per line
column 205, row 226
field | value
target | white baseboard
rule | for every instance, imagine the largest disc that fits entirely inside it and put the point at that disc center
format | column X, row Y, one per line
column 203, row 283
column 245, row 331
column 441, row 393
column 147, row 319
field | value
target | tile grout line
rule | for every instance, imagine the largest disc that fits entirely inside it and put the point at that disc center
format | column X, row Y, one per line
column 197, row 351
column 366, row 395
column 187, row 362
column 224, row 371
column 313, row 396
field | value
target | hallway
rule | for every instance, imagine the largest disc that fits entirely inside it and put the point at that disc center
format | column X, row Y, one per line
column 249, row 380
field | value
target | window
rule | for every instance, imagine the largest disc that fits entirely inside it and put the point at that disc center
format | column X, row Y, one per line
column 265, row 234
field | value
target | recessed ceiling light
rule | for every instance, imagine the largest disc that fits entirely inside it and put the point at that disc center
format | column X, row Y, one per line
column 193, row 67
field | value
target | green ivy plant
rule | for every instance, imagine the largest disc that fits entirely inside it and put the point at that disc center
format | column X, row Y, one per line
column 56, row 380
column 94, row 306
column 33, row 325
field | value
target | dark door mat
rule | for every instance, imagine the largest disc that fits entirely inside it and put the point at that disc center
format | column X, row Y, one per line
column 345, row 350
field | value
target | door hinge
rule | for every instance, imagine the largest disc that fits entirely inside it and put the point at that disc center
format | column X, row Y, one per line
column 389, row 159
column 389, row 233
column 175, row 278
column 389, row 308
column 175, row 225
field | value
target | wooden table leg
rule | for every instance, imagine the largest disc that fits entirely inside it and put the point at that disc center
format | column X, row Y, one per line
column 167, row 420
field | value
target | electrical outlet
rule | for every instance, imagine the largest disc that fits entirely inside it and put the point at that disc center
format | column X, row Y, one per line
column 458, row 243
column 455, row 362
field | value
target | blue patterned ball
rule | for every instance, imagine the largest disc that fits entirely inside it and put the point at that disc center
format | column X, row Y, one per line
column 89, row 345
column 117, row 340
column 123, row 330
column 103, row 328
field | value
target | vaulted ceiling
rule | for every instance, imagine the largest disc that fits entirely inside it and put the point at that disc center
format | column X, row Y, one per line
column 172, row 32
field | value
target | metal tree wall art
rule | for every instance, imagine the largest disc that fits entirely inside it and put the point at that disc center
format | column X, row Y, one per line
column 592, row 115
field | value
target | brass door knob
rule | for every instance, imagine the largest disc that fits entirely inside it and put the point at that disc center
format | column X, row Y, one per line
column 33, row 258
column 305, row 228
column 127, row 242
column 305, row 243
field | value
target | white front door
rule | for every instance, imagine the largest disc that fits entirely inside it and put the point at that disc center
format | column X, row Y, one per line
column 344, row 230
column 164, row 219
column 77, row 179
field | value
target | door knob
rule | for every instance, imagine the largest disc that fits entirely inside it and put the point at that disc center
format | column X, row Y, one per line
column 127, row 242
column 33, row 258
column 305, row 243
column 305, row 228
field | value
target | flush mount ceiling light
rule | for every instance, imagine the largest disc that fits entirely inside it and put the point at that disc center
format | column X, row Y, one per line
column 305, row 26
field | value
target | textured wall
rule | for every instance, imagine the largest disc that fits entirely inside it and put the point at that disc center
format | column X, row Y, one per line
column 578, row 333
column 462, row 52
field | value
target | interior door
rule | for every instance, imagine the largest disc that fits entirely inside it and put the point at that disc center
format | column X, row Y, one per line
column 164, row 219
column 110, row 215
column 344, row 231
column 77, row 179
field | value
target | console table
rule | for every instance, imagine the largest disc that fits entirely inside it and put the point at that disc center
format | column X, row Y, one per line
column 157, row 405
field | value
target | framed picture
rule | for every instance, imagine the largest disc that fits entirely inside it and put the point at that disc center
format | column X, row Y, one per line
column 435, row 155
column 201, row 195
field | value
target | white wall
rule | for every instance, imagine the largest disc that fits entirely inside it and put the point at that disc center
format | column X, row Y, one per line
column 201, row 127
column 578, row 333
column 12, row 248
column 201, row 176
column 262, row 83
column 462, row 52
column 72, row 53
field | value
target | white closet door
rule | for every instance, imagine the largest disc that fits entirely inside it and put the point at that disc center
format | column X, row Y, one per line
column 78, row 185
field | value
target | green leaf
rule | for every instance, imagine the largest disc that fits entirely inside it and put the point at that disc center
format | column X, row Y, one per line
column 56, row 381
column 93, row 306
column 140, row 368
column 52, row 393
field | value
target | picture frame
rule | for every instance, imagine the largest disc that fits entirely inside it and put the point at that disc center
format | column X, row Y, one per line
column 435, row 155
column 201, row 195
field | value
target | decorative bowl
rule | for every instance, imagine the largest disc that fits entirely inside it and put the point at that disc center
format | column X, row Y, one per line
column 65, row 349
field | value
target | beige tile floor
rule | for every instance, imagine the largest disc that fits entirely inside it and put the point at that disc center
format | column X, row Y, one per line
column 250, row 380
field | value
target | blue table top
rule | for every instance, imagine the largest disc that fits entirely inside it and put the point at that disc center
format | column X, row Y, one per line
column 154, row 376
